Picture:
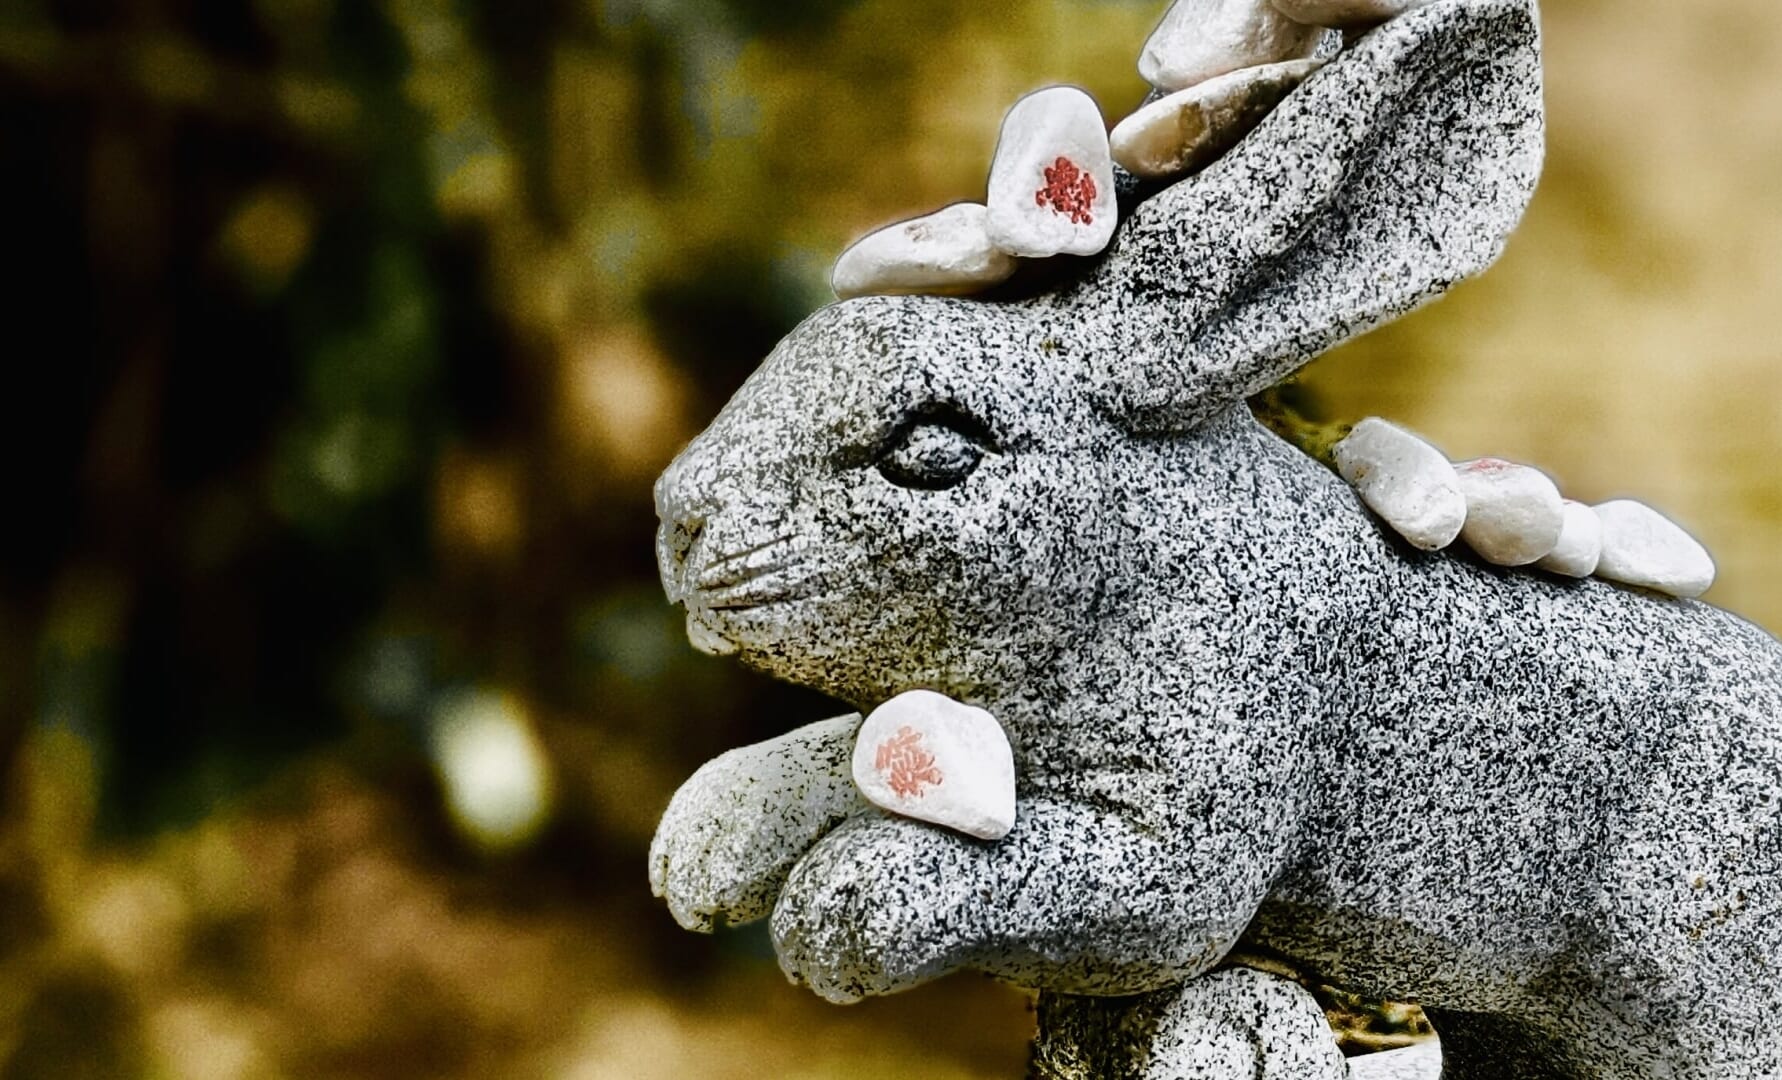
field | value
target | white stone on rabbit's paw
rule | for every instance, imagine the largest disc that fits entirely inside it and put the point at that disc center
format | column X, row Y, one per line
column 1345, row 14
column 1404, row 480
column 1199, row 40
column 1190, row 129
column 1052, row 181
column 1643, row 547
column 1580, row 545
column 926, row 756
column 1514, row 513
column 948, row 251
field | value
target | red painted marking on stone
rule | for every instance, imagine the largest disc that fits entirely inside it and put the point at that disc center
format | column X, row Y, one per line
column 1069, row 190
column 911, row 767
column 1489, row 465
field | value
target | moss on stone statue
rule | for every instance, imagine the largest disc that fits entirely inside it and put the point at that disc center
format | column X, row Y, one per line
column 1293, row 411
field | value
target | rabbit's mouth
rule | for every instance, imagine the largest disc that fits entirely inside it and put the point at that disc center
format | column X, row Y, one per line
column 725, row 594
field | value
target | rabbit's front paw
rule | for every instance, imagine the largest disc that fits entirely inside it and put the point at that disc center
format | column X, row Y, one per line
column 880, row 905
column 734, row 830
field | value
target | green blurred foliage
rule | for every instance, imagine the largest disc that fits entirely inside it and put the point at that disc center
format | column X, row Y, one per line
column 346, row 339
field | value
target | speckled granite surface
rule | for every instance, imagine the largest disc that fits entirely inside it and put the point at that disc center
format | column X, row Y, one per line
column 1551, row 810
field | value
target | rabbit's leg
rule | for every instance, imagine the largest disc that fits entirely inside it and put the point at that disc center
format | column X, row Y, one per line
column 1076, row 898
column 1235, row 1024
column 736, row 827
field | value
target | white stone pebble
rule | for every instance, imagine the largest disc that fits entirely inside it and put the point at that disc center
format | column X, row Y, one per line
column 1514, row 513
column 1643, row 547
column 1580, row 544
column 1199, row 40
column 1404, row 480
column 1052, row 181
column 947, row 252
column 1191, row 128
column 1345, row 14
column 926, row 756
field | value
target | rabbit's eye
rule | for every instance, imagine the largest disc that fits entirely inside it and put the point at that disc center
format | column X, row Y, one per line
column 931, row 455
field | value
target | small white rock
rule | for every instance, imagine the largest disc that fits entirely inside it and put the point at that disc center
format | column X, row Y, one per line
column 1580, row 544
column 926, row 756
column 1190, row 129
column 1345, row 14
column 1404, row 480
column 948, row 252
column 1643, row 547
column 1052, row 182
column 1514, row 513
column 1199, row 40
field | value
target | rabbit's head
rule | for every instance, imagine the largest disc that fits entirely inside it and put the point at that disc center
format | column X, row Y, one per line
column 919, row 491
column 905, row 494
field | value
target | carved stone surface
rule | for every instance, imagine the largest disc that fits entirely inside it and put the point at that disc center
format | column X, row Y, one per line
column 1231, row 1023
column 1240, row 710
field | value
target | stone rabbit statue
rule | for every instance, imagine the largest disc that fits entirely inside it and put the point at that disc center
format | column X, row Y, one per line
column 1242, row 713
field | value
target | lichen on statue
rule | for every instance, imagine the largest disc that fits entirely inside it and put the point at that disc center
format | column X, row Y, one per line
column 1214, row 667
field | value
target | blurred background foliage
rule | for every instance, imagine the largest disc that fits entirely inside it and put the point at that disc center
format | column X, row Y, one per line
column 339, row 699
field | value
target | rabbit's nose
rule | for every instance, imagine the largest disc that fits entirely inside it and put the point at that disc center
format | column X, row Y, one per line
column 683, row 512
column 674, row 541
column 682, row 499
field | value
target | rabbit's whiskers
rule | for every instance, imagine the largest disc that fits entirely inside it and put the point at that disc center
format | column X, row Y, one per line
column 752, row 592
column 745, row 553
column 725, row 577
column 731, row 571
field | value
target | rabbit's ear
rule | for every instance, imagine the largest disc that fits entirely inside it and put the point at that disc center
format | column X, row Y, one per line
column 1392, row 173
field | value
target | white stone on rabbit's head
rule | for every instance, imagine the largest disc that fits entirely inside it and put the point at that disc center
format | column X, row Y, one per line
column 907, row 493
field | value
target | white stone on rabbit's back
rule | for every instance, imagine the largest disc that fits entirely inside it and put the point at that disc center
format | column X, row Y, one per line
column 1052, row 181
column 1514, row 513
column 926, row 756
column 1643, row 547
column 1345, row 14
column 1199, row 40
column 1404, row 480
column 1580, row 544
column 1190, row 129
column 946, row 252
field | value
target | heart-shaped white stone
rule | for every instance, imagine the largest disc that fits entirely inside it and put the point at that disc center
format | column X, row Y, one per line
column 926, row 756
column 1052, row 180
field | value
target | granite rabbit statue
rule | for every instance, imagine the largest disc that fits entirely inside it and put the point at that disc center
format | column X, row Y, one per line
column 1242, row 713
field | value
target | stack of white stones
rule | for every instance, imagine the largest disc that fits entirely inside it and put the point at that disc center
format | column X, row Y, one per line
column 1221, row 66
column 1051, row 193
column 1514, row 515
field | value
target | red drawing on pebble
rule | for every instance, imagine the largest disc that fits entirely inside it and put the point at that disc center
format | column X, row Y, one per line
column 1069, row 190
column 912, row 768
